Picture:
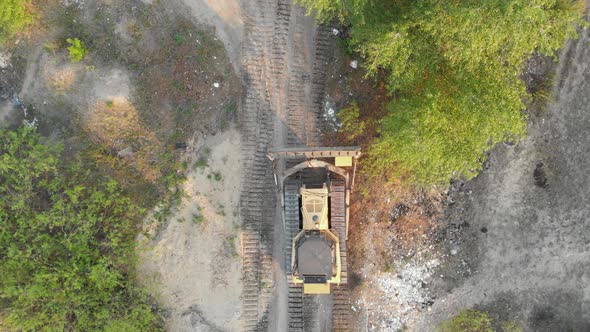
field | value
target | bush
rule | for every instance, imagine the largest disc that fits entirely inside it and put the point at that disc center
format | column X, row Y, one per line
column 66, row 244
column 77, row 49
column 468, row 321
column 352, row 126
column 14, row 15
column 471, row 320
column 455, row 67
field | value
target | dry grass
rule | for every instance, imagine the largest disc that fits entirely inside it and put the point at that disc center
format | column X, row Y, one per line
column 115, row 126
column 62, row 80
column 391, row 241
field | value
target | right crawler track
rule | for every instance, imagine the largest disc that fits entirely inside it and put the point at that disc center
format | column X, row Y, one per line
column 341, row 295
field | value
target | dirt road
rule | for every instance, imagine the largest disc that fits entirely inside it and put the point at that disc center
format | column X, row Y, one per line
column 524, row 249
column 283, row 57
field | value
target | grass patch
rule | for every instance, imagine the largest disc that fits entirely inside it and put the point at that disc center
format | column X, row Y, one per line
column 468, row 320
column 229, row 246
column 178, row 38
column 198, row 219
column 230, row 108
column 471, row 320
column 201, row 163
column 169, row 206
column 221, row 210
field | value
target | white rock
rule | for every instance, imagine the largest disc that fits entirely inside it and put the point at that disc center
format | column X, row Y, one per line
column 354, row 64
column 335, row 32
column 4, row 60
column 216, row 85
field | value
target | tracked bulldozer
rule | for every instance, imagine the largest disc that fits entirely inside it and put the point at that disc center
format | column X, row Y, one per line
column 315, row 186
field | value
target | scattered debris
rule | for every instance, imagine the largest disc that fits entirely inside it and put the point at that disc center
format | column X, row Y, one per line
column 329, row 115
column 78, row 3
column 402, row 294
column 335, row 32
column 398, row 211
column 31, row 124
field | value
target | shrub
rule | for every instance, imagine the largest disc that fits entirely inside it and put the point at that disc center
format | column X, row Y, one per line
column 352, row 126
column 77, row 49
column 14, row 15
column 469, row 320
column 66, row 244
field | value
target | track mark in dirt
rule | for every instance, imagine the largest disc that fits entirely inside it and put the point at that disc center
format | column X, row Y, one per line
column 283, row 54
column 257, row 204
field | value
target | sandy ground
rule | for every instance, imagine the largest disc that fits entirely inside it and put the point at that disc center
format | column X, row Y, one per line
column 194, row 262
column 526, row 238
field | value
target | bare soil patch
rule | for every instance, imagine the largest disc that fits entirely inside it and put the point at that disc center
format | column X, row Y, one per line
column 193, row 262
column 226, row 17
column 152, row 80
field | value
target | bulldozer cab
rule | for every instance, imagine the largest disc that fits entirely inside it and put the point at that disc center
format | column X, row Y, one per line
column 314, row 208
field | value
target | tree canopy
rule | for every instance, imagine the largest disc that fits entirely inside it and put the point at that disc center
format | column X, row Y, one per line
column 66, row 244
column 455, row 66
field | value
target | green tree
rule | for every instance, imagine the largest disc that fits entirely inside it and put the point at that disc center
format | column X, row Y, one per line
column 14, row 15
column 66, row 244
column 455, row 66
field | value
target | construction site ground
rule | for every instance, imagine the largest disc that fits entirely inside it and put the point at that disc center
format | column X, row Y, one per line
column 224, row 81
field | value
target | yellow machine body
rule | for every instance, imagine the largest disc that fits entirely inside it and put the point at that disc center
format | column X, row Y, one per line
column 316, row 250
column 321, row 216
